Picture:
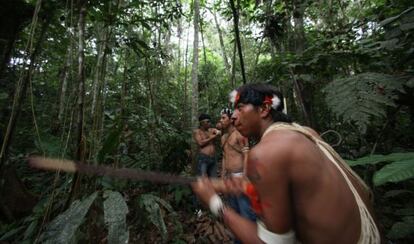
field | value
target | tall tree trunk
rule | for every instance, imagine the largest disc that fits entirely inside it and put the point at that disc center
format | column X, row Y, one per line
column 237, row 36
column 202, row 41
column 97, row 92
column 205, row 62
column 256, row 60
column 20, row 92
column 63, row 87
column 179, row 33
column 124, row 89
column 97, row 81
column 233, row 67
column 80, row 140
column 194, row 76
column 223, row 47
column 299, row 34
column 185, row 110
column 298, row 13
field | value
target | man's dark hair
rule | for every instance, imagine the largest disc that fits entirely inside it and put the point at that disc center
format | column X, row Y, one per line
column 227, row 111
column 255, row 94
column 203, row 117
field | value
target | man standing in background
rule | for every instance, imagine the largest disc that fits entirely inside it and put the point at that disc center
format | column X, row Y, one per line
column 204, row 136
column 235, row 149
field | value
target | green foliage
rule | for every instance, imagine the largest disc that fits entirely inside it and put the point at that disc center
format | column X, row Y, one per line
column 49, row 144
column 152, row 204
column 400, row 167
column 63, row 228
column 402, row 229
column 110, row 144
column 115, row 210
column 376, row 158
column 362, row 98
column 395, row 172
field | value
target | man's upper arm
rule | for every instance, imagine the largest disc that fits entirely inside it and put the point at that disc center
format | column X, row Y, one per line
column 267, row 169
column 197, row 137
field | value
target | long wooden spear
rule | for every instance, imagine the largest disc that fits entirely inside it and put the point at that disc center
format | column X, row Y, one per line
column 70, row 166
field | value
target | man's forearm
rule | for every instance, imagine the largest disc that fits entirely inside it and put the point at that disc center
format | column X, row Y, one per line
column 205, row 142
column 244, row 229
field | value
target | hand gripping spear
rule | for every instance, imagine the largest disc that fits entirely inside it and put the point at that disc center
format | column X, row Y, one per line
column 70, row 166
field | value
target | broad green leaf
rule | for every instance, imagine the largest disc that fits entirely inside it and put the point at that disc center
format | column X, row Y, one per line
column 151, row 205
column 402, row 229
column 115, row 210
column 63, row 228
column 377, row 158
column 395, row 172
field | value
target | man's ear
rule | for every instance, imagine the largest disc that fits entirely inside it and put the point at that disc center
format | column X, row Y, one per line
column 264, row 110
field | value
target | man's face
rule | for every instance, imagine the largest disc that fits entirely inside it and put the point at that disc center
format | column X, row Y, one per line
column 225, row 121
column 205, row 123
column 246, row 119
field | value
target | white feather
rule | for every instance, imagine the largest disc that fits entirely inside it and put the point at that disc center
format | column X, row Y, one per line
column 275, row 102
column 232, row 96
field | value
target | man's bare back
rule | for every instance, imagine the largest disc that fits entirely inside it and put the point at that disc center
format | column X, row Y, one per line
column 314, row 202
column 301, row 188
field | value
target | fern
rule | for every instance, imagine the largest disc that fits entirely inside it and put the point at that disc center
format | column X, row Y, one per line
column 116, row 210
column 63, row 228
column 395, row 172
column 361, row 98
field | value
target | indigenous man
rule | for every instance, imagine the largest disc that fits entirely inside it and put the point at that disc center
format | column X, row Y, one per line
column 300, row 188
column 204, row 137
column 235, row 149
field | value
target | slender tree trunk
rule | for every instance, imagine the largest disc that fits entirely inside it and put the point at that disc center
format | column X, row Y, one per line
column 299, row 11
column 299, row 41
column 223, row 47
column 256, row 60
column 150, row 117
column 202, row 41
column 179, row 33
column 97, row 92
column 205, row 62
column 20, row 92
column 194, row 76
column 124, row 89
column 233, row 67
column 63, row 87
column 80, row 140
column 237, row 36
column 185, row 110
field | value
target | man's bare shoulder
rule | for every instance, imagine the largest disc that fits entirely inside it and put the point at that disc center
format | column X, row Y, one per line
column 281, row 146
column 274, row 147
